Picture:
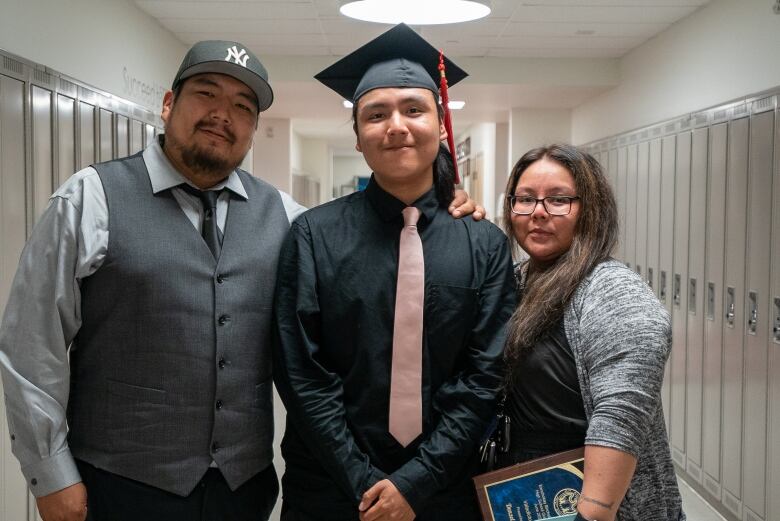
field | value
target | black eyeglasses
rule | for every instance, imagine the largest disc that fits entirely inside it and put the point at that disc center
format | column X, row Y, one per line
column 553, row 204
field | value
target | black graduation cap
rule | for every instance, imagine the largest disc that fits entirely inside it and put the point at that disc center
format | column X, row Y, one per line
column 397, row 58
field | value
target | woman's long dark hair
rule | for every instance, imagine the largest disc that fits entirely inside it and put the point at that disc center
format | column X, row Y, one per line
column 443, row 167
column 548, row 289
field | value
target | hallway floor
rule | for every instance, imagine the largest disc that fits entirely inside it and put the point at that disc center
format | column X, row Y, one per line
column 695, row 508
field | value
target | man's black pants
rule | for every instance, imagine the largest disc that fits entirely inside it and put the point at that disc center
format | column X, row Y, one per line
column 113, row 498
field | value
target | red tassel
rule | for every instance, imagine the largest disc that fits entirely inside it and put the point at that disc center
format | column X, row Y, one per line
column 445, row 101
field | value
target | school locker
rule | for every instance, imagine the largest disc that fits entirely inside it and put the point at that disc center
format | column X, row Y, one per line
column 757, row 312
column 86, row 135
column 630, row 208
column 136, row 136
column 695, row 292
column 66, row 138
column 612, row 165
column 620, row 183
column 713, row 313
column 733, row 313
column 13, row 232
column 122, row 136
column 677, row 360
column 642, row 217
column 653, row 214
column 42, row 158
column 665, row 252
column 773, row 327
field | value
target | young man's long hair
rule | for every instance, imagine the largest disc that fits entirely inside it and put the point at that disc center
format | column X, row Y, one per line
column 443, row 167
column 547, row 290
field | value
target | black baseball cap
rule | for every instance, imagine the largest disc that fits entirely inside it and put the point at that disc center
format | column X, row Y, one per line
column 397, row 58
column 232, row 59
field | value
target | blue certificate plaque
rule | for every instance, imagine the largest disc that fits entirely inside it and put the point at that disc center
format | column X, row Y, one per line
column 544, row 488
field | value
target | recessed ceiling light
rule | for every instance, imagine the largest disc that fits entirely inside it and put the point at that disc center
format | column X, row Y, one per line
column 416, row 12
column 347, row 104
column 456, row 105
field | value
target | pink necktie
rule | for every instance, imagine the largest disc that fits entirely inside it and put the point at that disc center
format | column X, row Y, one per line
column 406, row 375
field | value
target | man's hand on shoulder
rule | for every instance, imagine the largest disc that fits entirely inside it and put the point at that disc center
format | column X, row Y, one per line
column 383, row 502
column 462, row 206
column 68, row 504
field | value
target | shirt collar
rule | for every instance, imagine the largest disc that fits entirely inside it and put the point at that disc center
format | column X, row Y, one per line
column 164, row 175
column 390, row 208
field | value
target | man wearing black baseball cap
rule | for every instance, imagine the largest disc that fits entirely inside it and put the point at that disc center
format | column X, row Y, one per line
column 165, row 409
column 135, row 348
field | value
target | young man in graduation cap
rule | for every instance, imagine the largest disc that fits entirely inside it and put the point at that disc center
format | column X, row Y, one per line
column 390, row 313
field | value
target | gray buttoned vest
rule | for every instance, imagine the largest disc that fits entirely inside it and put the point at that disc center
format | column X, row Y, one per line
column 171, row 368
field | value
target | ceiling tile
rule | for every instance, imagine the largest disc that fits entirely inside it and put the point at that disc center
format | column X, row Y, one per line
column 216, row 10
column 640, row 30
column 602, row 13
column 265, row 27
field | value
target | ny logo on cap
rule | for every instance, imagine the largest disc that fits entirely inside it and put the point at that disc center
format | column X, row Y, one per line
column 239, row 58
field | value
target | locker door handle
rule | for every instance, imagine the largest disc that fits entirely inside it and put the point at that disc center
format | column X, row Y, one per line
column 753, row 306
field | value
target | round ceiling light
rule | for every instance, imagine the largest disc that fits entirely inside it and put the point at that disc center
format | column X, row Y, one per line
column 416, row 12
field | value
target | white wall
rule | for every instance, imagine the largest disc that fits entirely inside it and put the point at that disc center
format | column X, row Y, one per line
column 723, row 51
column 271, row 154
column 346, row 167
column 502, row 165
column 315, row 161
column 109, row 44
column 531, row 128
column 483, row 143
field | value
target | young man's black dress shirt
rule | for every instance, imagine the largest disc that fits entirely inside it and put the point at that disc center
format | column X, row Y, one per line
column 335, row 304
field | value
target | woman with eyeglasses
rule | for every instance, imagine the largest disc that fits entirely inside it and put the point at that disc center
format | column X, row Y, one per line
column 587, row 343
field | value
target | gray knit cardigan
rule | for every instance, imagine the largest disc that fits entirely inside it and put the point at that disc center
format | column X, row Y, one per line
column 620, row 335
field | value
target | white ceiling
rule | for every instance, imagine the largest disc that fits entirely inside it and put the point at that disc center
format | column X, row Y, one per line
column 515, row 30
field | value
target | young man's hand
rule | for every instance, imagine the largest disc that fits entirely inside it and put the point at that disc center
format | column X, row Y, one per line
column 68, row 504
column 462, row 206
column 383, row 502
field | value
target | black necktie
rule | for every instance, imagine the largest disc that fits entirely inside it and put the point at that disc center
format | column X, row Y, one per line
column 210, row 231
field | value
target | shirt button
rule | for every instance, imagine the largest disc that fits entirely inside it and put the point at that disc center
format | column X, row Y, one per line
column 224, row 319
column 13, row 437
column 220, row 279
column 221, row 363
column 33, row 482
column 219, row 404
column 215, row 447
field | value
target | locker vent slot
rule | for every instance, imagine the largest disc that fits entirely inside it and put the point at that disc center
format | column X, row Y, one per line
column 670, row 128
column 622, row 140
column 87, row 95
column 138, row 112
column 720, row 115
column 763, row 105
column 632, row 138
column 678, row 457
column 12, row 65
column 732, row 503
column 701, row 119
column 657, row 131
column 740, row 109
column 712, row 486
column 710, row 301
column 42, row 76
column 124, row 108
column 694, row 472
column 68, row 87
column 644, row 134
column 686, row 123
